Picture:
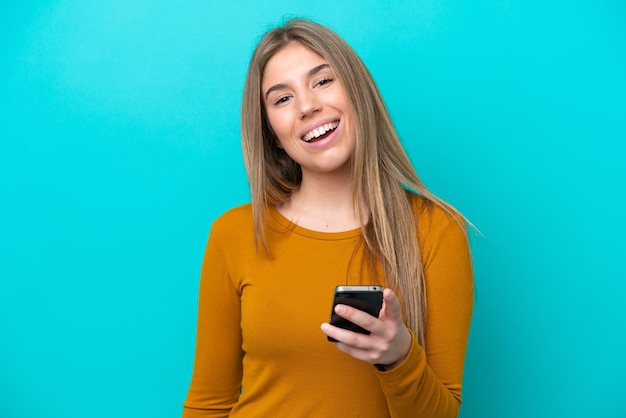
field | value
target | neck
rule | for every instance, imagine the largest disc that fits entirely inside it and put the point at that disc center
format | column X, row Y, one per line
column 323, row 203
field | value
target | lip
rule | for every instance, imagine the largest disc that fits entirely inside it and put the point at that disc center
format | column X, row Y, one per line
column 317, row 124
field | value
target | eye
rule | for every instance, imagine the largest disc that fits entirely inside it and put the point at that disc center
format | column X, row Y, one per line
column 281, row 100
column 324, row 81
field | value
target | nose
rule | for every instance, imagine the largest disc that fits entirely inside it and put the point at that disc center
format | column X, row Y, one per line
column 309, row 103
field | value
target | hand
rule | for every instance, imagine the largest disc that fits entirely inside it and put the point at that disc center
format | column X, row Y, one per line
column 389, row 342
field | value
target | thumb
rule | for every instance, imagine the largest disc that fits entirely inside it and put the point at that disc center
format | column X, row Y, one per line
column 391, row 307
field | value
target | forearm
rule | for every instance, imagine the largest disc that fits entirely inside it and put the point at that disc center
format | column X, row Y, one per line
column 189, row 411
column 412, row 389
column 216, row 379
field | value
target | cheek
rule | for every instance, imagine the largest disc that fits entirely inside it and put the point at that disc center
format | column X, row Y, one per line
column 278, row 123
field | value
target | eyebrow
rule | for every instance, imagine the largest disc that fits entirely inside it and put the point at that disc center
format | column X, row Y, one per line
column 312, row 72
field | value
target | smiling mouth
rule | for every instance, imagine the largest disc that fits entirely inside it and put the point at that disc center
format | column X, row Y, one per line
column 320, row 132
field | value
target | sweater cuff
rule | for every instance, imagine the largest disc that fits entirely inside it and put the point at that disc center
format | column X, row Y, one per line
column 407, row 366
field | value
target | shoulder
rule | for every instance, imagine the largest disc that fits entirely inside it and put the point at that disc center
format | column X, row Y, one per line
column 236, row 220
column 430, row 214
column 438, row 225
column 236, row 213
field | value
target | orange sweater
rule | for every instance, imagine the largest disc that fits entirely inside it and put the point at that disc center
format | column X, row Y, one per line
column 260, row 351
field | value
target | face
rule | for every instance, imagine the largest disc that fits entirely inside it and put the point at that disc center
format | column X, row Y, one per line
column 309, row 111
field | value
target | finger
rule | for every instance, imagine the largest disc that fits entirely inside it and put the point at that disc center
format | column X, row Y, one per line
column 347, row 337
column 370, row 356
column 357, row 317
column 391, row 307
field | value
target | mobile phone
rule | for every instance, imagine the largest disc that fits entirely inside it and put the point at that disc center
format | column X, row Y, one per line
column 364, row 298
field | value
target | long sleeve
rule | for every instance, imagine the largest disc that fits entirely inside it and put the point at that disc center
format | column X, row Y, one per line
column 259, row 349
column 428, row 383
column 216, row 380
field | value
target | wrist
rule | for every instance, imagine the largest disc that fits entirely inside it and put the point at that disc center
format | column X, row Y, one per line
column 391, row 366
column 404, row 352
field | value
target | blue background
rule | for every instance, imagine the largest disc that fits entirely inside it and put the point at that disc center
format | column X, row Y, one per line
column 119, row 144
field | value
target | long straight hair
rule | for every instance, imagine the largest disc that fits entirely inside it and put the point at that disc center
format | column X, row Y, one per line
column 383, row 176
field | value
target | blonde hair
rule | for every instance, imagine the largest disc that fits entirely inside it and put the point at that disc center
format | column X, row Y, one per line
column 383, row 176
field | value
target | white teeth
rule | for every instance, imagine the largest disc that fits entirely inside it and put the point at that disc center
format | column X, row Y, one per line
column 319, row 131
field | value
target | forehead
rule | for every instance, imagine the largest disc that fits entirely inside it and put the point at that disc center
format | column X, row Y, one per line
column 293, row 60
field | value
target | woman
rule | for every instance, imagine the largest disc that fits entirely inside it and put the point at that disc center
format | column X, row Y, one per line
column 335, row 200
